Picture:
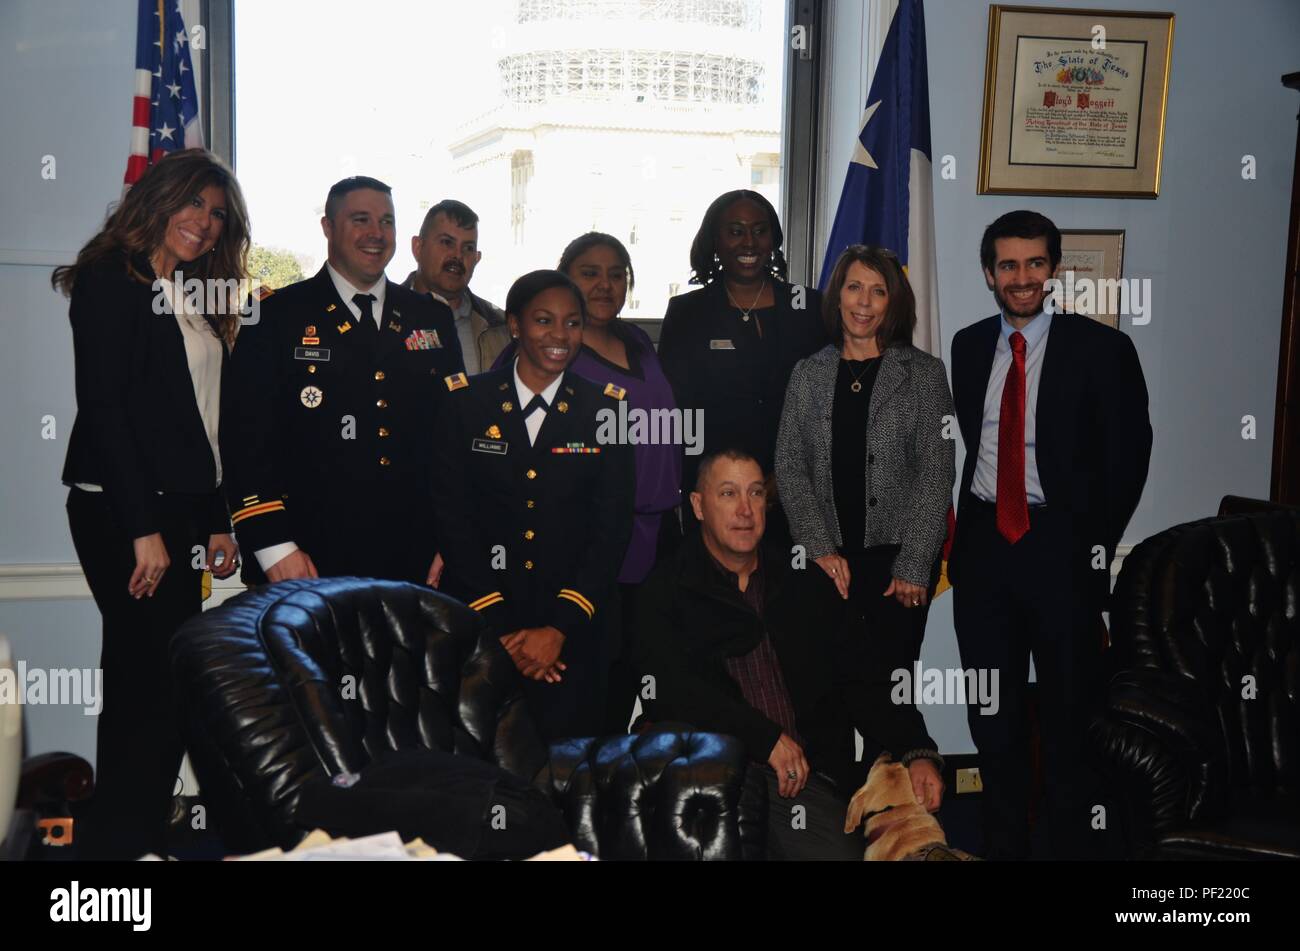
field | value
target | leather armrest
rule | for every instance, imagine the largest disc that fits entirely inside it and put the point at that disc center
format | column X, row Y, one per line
column 665, row 794
column 1157, row 738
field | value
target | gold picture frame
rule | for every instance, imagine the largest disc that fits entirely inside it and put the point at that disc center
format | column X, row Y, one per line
column 1075, row 102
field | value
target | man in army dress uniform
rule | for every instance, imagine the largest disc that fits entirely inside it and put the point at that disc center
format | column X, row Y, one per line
column 327, row 422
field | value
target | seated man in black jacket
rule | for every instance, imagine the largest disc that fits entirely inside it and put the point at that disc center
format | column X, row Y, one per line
column 737, row 641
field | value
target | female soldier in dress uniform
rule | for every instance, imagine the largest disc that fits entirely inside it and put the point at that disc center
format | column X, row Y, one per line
column 534, row 512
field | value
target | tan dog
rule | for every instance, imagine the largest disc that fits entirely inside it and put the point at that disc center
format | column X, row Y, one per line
column 898, row 827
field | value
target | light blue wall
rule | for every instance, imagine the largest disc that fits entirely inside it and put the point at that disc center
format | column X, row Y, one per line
column 67, row 79
column 1212, row 244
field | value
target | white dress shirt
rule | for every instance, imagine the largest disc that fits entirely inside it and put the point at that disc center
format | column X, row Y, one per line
column 533, row 421
column 984, row 483
column 266, row 557
column 347, row 292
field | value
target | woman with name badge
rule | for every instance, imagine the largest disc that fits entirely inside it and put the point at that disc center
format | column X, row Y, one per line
column 534, row 509
column 728, row 347
column 619, row 352
column 861, row 458
column 143, row 465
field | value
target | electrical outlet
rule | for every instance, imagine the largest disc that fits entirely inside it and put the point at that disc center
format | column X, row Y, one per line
column 968, row 781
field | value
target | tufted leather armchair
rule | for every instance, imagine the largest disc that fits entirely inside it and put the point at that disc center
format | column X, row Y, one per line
column 305, row 679
column 1200, row 728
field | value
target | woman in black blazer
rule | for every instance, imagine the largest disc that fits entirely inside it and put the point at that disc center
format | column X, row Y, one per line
column 728, row 347
column 144, row 470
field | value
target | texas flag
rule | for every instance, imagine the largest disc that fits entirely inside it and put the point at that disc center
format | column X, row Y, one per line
column 888, row 199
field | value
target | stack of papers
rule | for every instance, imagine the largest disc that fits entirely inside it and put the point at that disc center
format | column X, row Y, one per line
column 319, row 846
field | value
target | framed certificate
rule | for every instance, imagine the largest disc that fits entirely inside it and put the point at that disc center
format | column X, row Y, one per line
column 1092, row 262
column 1074, row 102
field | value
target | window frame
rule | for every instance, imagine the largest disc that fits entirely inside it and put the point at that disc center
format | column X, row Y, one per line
column 800, row 120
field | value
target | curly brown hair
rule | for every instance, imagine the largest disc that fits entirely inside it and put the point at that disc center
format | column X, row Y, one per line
column 139, row 222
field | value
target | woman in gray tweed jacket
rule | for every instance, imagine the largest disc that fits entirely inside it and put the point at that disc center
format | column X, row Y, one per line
column 863, row 468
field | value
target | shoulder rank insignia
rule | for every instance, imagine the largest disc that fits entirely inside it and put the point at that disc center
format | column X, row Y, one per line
column 263, row 292
column 617, row 392
column 456, row 381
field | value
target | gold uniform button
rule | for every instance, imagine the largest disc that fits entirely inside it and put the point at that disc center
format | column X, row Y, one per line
column 531, row 473
column 382, row 404
column 379, row 375
column 530, row 535
column 384, row 461
column 383, row 431
column 528, row 565
column 311, row 368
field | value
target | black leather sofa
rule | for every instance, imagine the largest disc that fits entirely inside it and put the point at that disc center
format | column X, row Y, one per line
column 1199, row 732
column 306, row 679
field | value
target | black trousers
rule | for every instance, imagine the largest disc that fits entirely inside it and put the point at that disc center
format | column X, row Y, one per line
column 815, row 833
column 624, row 676
column 894, row 629
column 139, row 745
column 1013, row 601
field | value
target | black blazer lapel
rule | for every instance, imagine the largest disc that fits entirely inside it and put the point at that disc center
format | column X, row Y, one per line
column 505, row 404
column 330, row 312
column 559, row 422
column 1052, row 387
column 977, row 378
column 392, row 325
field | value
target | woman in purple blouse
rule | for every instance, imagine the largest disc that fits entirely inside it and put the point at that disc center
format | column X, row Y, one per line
column 619, row 353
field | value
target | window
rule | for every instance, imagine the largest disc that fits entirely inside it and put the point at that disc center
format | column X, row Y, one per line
column 547, row 117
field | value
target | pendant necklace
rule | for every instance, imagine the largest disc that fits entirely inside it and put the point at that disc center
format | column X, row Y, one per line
column 744, row 314
column 856, row 385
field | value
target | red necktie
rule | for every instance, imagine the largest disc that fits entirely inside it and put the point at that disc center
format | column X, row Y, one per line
column 1013, row 506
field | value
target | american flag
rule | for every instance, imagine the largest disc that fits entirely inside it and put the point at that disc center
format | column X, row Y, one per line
column 165, row 116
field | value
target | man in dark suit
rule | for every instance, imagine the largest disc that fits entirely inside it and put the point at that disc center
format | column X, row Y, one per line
column 1053, row 411
column 327, row 422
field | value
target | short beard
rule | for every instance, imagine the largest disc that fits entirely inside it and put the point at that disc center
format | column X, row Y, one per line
column 1005, row 305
